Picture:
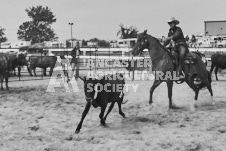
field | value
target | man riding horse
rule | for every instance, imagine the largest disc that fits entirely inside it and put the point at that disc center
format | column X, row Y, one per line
column 176, row 35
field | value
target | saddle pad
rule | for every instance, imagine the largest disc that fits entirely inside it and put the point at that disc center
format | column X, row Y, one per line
column 187, row 61
column 191, row 55
column 190, row 58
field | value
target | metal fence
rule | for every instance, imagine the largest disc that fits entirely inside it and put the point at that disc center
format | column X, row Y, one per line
column 94, row 54
column 83, row 67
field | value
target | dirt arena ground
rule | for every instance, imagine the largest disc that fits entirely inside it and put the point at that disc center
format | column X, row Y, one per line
column 32, row 119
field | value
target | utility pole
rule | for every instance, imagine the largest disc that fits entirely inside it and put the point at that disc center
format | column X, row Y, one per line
column 71, row 24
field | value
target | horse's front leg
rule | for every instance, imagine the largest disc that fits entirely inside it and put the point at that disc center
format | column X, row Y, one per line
column 155, row 85
column 170, row 90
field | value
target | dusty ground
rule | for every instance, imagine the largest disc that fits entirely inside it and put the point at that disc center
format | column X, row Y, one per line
column 33, row 120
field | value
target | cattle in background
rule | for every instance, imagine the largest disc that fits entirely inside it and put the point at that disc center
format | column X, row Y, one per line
column 4, row 70
column 17, row 60
column 106, row 94
column 41, row 62
column 218, row 61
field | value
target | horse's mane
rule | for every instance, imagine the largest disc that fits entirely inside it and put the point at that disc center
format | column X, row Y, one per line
column 161, row 46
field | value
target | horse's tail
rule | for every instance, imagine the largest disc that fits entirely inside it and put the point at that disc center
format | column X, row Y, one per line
column 212, row 66
column 209, row 76
column 202, row 84
column 213, row 62
column 203, row 74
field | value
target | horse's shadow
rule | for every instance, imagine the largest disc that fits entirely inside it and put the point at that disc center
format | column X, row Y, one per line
column 152, row 118
column 133, row 123
column 208, row 106
column 173, row 116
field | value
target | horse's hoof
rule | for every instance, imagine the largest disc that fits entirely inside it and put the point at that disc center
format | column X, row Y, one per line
column 77, row 131
column 150, row 102
column 105, row 125
column 102, row 122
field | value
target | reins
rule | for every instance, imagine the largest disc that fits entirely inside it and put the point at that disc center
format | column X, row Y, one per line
column 164, row 56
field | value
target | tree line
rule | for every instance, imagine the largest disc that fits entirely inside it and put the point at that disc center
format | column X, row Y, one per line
column 38, row 29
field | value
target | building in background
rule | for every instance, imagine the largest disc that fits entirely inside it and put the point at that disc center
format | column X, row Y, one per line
column 72, row 43
column 55, row 44
column 113, row 44
column 215, row 28
column 126, row 43
column 92, row 44
column 17, row 44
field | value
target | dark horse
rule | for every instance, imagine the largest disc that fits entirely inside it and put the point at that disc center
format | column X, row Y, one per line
column 218, row 61
column 162, row 62
column 202, row 55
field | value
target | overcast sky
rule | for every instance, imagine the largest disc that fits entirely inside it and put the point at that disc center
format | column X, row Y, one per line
column 101, row 18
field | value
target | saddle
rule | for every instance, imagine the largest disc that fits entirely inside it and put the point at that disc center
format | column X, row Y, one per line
column 190, row 58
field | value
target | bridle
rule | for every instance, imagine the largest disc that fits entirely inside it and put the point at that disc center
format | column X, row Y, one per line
column 143, row 45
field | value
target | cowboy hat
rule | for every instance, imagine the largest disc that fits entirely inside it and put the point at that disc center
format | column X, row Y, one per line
column 173, row 19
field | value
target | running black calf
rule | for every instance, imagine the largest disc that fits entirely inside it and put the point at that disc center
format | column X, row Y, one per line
column 100, row 92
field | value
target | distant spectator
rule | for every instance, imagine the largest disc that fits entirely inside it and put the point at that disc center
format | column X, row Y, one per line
column 74, row 60
column 193, row 41
column 163, row 39
column 62, row 57
column 187, row 39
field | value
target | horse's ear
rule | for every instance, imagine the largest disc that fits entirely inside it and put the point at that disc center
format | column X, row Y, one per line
column 145, row 31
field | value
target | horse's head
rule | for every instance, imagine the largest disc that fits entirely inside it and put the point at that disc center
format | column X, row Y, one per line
column 142, row 43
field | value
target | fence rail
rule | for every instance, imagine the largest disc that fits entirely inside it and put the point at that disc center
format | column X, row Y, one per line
column 101, row 53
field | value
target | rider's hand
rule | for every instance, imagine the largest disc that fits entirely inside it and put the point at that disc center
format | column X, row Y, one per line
column 168, row 39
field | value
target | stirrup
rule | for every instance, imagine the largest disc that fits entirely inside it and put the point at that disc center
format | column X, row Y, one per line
column 181, row 75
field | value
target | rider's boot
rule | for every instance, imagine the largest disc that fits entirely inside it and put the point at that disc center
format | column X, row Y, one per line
column 180, row 73
column 182, row 52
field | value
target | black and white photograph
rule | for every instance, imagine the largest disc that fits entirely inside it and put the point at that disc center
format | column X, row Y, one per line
column 112, row 75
